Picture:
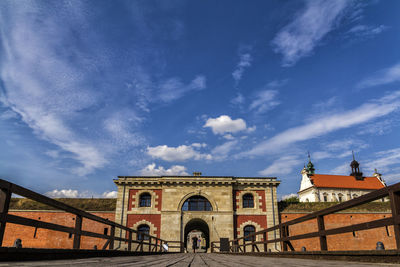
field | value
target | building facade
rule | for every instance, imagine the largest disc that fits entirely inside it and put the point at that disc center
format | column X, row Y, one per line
column 182, row 208
column 337, row 188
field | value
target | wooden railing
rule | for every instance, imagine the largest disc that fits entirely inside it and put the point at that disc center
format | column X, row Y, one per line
column 393, row 192
column 152, row 243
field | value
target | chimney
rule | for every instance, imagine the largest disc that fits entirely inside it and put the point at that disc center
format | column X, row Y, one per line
column 196, row 173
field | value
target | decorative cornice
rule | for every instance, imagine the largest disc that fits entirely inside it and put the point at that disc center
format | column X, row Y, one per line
column 195, row 180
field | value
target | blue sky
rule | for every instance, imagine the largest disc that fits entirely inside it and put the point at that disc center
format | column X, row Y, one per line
column 90, row 90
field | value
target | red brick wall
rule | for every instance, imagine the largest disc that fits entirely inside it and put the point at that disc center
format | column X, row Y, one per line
column 155, row 219
column 363, row 240
column 259, row 219
column 262, row 203
column 159, row 200
column 131, row 203
column 53, row 239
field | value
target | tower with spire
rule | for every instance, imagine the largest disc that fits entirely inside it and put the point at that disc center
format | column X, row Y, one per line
column 310, row 166
column 355, row 169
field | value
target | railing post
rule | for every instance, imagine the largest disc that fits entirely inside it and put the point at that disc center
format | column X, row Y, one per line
column 253, row 239
column 5, row 198
column 265, row 241
column 395, row 205
column 283, row 235
column 77, row 232
column 112, row 235
column 322, row 238
column 149, row 243
column 130, row 241
column 244, row 245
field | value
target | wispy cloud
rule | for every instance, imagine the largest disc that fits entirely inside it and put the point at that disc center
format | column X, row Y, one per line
column 382, row 77
column 367, row 30
column 324, row 125
column 173, row 88
column 152, row 170
column 283, row 165
column 245, row 60
column 222, row 151
column 180, row 153
column 264, row 100
column 302, row 35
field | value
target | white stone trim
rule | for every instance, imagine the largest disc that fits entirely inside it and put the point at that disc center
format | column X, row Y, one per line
column 249, row 222
column 152, row 230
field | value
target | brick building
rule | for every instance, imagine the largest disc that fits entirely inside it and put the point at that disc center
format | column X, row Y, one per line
column 174, row 207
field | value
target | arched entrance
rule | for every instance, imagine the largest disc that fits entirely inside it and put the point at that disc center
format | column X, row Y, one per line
column 197, row 228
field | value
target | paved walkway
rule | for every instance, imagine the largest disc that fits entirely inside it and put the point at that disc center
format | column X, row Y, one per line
column 192, row 260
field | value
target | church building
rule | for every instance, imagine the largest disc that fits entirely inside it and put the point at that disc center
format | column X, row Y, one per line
column 336, row 188
column 201, row 208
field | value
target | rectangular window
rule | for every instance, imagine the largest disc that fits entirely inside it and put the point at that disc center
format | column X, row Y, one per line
column 340, row 198
column 105, row 231
column 325, row 199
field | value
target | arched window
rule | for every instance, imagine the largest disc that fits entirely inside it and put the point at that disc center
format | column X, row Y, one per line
column 248, row 230
column 248, row 201
column 355, row 195
column 145, row 200
column 340, row 197
column 143, row 229
column 197, row 203
column 325, row 197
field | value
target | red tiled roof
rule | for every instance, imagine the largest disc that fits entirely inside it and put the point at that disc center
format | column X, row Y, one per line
column 340, row 181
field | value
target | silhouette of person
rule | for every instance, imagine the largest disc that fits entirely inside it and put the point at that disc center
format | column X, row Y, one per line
column 194, row 239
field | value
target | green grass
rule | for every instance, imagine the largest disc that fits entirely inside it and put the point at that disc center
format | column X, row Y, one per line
column 89, row 204
column 316, row 206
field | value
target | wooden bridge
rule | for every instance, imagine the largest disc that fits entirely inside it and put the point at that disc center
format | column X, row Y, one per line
column 243, row 251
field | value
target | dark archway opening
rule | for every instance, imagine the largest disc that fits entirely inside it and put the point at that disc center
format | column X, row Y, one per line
column 199, row 229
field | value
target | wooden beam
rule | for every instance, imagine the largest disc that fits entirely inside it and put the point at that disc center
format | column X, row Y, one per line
column 322, row 237
column 77, row 232
column 395, row 205
column 5, row 198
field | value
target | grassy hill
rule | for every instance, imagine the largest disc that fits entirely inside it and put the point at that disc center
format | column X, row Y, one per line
column 88, row 204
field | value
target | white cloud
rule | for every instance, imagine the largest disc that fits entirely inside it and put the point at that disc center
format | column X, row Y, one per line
column 8, row 114
column 151, row 170
column 385, row 161
column 366, row 112
column 382, row 77
column 180, row 153
column 224, row 124
column 228, row 137
column 365, row 30
column 63, row 193
column 299, row 37
column 238, row 100
column 244, row 62
column 173, row 88
column 343, row 169
column 264, row 101
column 199, row 145
column 281, row 166
column 222, row 151
column 110, row 194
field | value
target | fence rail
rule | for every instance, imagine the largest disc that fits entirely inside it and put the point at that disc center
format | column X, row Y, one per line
column 154, row 243
column 393, row 192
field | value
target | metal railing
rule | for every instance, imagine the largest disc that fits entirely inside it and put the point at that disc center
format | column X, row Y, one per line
column 152, row 243
column 393, row 192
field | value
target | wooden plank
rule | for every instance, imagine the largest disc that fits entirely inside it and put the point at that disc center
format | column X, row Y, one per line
column 77, row 232
column 112, row 237
column 130, row 241
column 395, row 205
column 322, row 237
column 5, row 198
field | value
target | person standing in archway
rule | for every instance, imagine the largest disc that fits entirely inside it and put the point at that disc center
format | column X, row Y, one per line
column 194, row 239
